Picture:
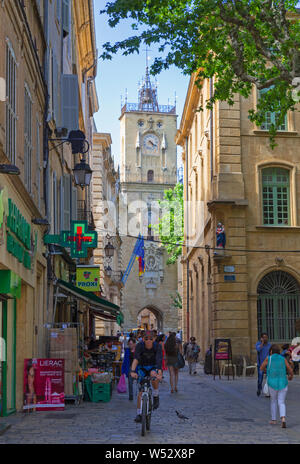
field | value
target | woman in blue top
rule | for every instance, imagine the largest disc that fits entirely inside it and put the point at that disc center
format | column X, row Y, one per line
column 277, row 370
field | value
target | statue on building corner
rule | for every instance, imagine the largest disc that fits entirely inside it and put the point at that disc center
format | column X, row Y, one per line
column 221, row 236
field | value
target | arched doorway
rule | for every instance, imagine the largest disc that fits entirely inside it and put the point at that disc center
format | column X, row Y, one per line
column 150, row 318
column 278, row 306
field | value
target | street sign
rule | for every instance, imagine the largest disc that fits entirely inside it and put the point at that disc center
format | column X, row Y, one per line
column 229, row 278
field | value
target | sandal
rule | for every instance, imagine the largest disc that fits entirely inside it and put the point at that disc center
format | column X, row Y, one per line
column 273, row 422
column 172, row 391
column 283, row 424
column 176, row 390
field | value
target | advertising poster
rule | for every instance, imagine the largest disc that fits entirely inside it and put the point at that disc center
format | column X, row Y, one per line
column 44, row 384
column 222, row 348
column 88, row 278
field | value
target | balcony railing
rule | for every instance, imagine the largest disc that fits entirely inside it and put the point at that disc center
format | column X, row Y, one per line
column 133, row 107
column 83, row 214
column 143, row 178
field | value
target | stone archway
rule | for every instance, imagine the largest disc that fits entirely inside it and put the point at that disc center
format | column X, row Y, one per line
column 150, row 318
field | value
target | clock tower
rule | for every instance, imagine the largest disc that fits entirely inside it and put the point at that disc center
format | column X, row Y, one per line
column 148, row 167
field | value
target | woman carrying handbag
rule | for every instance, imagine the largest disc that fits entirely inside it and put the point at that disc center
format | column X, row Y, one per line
column 277, row 370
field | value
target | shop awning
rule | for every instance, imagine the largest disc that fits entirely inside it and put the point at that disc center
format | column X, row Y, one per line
column 103, row 308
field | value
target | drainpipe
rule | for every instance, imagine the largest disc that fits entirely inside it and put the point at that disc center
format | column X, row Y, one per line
column 187, row 236
column 211, row 132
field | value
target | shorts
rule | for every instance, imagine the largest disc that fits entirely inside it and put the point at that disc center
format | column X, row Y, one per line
column 143, row 371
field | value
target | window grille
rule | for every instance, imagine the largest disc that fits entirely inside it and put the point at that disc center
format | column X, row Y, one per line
column 278, row 306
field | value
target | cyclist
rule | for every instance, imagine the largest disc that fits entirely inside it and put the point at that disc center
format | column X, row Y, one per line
column 148, row 361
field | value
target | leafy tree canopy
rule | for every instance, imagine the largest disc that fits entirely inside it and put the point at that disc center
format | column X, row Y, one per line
column 240, row 42
column 171, row 224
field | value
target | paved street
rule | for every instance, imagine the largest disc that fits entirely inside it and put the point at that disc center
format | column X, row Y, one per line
column 219, row 411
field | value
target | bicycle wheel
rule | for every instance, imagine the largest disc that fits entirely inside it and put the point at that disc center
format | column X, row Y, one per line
column 144, row 415
column 148, row 418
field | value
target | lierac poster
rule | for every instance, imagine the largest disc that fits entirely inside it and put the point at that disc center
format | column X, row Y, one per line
column 44, row 384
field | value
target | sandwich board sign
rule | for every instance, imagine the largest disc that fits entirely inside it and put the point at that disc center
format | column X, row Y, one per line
column 222, row 352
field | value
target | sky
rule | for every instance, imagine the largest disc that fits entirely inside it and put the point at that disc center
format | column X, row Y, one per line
column 124, row 72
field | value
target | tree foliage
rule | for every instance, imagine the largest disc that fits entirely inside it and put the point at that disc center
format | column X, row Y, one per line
column 240, row 43
column 176, row 300
column 171, row 224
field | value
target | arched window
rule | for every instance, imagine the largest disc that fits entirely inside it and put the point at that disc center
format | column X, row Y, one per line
column 276, row 196
column 150, row 176
column 278, row 306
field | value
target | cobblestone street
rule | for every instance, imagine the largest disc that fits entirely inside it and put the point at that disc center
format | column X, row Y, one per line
column 219, row 411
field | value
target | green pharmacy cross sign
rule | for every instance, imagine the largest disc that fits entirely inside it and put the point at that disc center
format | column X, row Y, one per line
column 78, row 239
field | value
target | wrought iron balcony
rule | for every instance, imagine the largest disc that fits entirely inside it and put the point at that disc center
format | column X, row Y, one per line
column 83, row 214
column 134, row 107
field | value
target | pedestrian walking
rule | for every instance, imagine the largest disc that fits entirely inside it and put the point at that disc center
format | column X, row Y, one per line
column 277, row 370
column 191, row 355
column 172, row 347
column 126, row 366
column 262, row 347
column 161, row 339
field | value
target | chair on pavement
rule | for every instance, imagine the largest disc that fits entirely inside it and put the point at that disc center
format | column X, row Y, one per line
column 226, row 365
column 247, row 367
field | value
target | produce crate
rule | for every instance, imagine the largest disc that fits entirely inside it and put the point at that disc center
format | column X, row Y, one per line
column 96, row 392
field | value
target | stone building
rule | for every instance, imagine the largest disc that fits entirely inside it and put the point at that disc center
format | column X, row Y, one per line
column 23, row 276
column 148, row 168
column 105, row 200
column 232, row 176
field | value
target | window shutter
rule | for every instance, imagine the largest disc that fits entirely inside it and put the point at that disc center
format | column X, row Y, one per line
column 56, row 92
column 74, row 204
column 70, row 112
column 67, row 202
column 66, row 17
column 61, row 212
column 54, row 197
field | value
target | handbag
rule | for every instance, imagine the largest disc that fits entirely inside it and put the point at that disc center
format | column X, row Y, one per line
column 266, row 390
column 180, row 361
column 121, row 388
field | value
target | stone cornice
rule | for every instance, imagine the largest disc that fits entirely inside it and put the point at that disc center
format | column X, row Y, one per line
column 190, row 105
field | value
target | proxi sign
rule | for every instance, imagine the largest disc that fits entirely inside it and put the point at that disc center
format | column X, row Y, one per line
column 88, row 278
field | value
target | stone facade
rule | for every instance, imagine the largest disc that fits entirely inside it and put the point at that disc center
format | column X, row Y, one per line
column 105, row 185
column 232, row 176
column 148, row 168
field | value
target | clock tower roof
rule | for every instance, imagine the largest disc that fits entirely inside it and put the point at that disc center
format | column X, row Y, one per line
column 148, row 99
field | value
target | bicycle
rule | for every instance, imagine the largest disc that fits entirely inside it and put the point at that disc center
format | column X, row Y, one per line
column 147, row 403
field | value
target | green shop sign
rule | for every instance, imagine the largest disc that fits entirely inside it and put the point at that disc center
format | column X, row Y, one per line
column 10, row 284
column 18, row 235
column 78, row 239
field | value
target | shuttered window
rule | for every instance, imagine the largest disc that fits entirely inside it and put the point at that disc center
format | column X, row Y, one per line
column 66, row 17
column 276, row 196
column 67, row 202
column 27, row 139
column 74, row 204
column 56, row 92
column 271, row 118
column 38, row 164
column 11, row 104
column 70, row 99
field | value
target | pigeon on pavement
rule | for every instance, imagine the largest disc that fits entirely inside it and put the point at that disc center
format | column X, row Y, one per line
column 181, row 416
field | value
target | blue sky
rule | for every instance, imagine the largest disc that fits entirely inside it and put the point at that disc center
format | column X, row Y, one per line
column 124, row 72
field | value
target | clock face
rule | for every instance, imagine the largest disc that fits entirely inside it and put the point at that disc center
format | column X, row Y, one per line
column 151, row 144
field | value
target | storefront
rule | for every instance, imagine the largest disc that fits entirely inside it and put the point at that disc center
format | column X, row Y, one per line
column 22, row 293
column 10, row 290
